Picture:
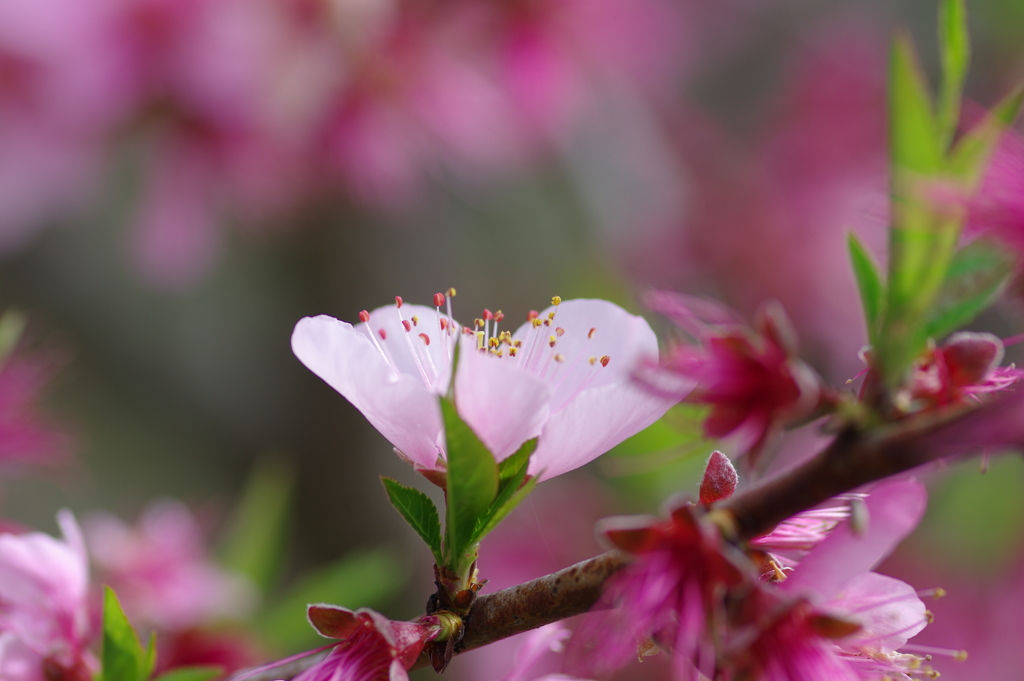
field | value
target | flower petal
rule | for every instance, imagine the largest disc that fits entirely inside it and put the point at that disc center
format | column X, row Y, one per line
column 894, row 507
column 888, row 610
column 399, row 405
column 594, row 422
column 504, row 405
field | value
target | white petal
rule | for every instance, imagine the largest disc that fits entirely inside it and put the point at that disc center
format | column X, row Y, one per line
column 399, row 405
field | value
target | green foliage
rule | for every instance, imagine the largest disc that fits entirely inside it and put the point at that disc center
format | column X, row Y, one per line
column 419, row 511
column 511, row 490
column 977, row 275
column 123, row 657
column 256, row 533
column 472, row 485
column 930, row 288
column 197, row 673
column 364, row 579
column 870, row 285
column 954, row 44
column 12, row 323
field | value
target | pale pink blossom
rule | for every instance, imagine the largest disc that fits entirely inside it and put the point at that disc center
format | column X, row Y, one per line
column 161, row 570
column 563, row 376
column 44, row 615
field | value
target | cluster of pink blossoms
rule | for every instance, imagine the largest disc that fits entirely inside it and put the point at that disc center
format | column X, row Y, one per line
column 719, row 613
column 243, row 108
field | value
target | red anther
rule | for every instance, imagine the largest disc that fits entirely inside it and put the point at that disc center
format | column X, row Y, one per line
column 444, row 323
column 499, row 315
column 438, row 299
column 488, row 315
column 383, row 334
column 364, row 316
column 605, row 360
column 407, row 325
column 398, row 301
column 590, row 334
column 559, row 331
column 426, row 338
column 531, row 315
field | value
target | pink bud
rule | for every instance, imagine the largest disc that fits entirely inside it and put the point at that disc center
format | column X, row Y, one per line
column 720, row 479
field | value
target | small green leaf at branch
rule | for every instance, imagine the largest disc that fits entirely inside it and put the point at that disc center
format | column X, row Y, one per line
column 419, row 511
column 870, row 285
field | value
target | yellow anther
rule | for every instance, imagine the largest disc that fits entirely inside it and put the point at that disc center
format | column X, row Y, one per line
column 559, row 357
column 556, row 301
column 537, row 322
column 451, row 292
column 492, row 342
column 593, row 361
column 512, row 352
column 939, row 593
column 415, row 320
column 960, row 655
column 552, row 340
column 479, row 340
column 551, row 315
column 929, row 617
column 517, row 344
column 479, row 323
column 499, row 352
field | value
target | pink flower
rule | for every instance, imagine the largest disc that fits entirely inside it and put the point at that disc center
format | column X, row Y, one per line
column 372, row 648
column 564, row 376
column 44, row 618
column 25, row 436
column 161, row 570
column 965, row 366
column 669, row 593
column 752, row 379
column 998, row 208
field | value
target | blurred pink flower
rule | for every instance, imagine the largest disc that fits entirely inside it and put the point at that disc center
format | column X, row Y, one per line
column 161, row 570
column 753, row 379
column 998, row 207
column 563, row 376
column 964, row 366
column 25, row 437
column 372, row 648
column 44, row 615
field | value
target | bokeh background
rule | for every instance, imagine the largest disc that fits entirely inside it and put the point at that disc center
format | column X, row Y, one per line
column 182, row 180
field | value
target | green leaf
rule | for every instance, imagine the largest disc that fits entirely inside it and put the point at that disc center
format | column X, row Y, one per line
column 258, row 527
column 197, row 673
column 870, row 285
column 954, row 43
column 969, row 157
column 12, row 323
column 976, row 276
column 503, row 505
column 509, row 468
column 913, row 142
column 419, row 511
column 472, row 484
column 123, row 657
column 364, row 579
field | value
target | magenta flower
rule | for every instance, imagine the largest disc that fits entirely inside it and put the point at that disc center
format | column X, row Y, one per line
column 752, row 379
column 162, row 572
column 44, row 617
column 564, row 376
column 372, row 648
column 26, row 438
column 669, row 594
column 965, row 366
column 998, row 208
